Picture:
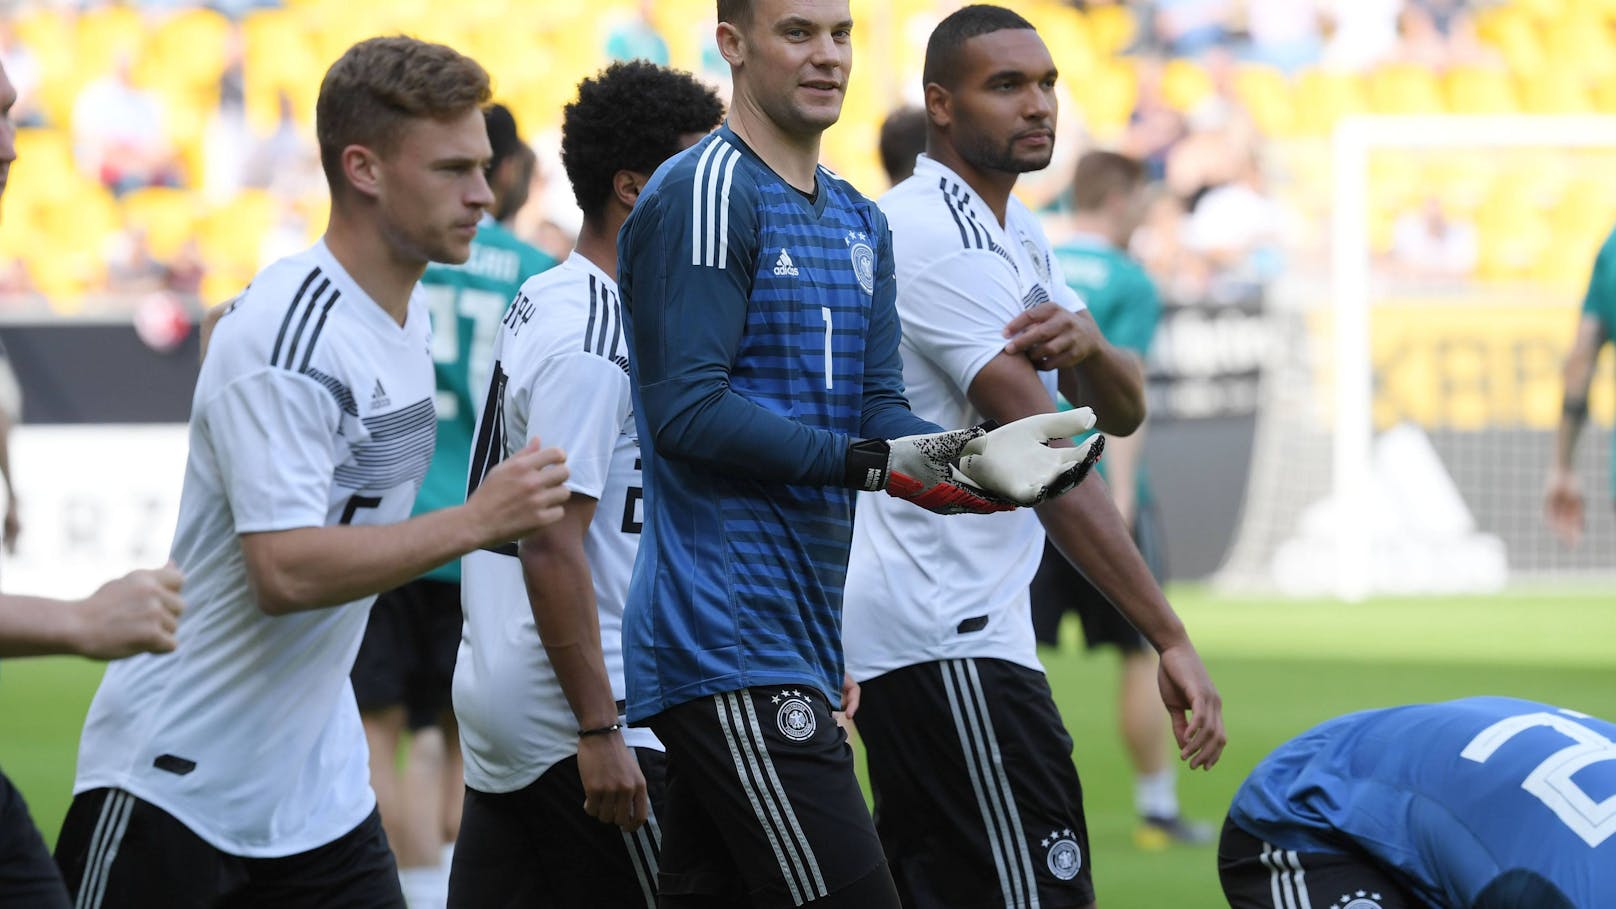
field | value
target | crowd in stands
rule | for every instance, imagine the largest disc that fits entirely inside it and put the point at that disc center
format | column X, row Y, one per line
column 186, row 158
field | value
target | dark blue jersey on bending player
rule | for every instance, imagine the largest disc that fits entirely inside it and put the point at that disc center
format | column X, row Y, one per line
column 1457, row 797
column 764, row 342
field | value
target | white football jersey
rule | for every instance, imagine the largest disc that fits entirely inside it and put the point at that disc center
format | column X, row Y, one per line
column 560, row 376
column 924, row 586
column 313, row 408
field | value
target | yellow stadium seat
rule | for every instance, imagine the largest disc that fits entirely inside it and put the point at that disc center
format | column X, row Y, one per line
column 1515, row 34
column 1324, row 96
column 1112, row 28
column 1107, row 97
column 1512, row 251
column 188, row 48
column 168, row 217
column 231, row 235
column 106, row 33
column 1404, row 89
column 1267, row 94
column 1185, row 84
column 1582, row 42
column 1555, row 90
column 1479, row 90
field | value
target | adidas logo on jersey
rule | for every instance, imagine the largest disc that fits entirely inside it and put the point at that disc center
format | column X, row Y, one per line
column 783, row 266
column 378, row 398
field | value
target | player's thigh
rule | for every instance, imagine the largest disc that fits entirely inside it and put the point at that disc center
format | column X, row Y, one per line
column 28, row 875
column 977, row 800
column 116, row 850
column 1050, row 593
column 1258, row 875
column 435, row 617
column 495, row 863
column 774, row 777
column 382, row 665
column 355, row 871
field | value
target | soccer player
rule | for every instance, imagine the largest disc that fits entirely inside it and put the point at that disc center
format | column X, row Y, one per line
column 235, row 769
column 1563, row 500
column 546, row 768
column 1480, row 803
column 977, row 800
column 903, row 138
column 406, row 662
column 757, row 291
column 1110, row 195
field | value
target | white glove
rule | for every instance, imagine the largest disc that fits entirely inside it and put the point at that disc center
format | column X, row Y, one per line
column 1016, row 462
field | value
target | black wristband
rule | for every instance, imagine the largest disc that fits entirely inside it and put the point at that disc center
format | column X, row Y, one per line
column 1575, row 409
column 866, row 465
column 600, row 730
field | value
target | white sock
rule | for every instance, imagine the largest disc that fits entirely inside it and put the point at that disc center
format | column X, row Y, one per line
column 425, row 887
column 448, row 856
column 1156, row 794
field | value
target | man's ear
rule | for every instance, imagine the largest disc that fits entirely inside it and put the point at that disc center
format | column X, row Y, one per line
column 361, row 168
column 939, row 105
column 731, row 44
column 626, row 186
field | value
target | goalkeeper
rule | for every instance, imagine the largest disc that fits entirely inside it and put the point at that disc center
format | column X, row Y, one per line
column 977, row 800
column 758, row 290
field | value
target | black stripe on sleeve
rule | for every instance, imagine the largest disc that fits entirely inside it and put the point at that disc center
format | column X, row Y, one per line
column 617, row 336
column 314, row 299
column 594, row 304
column 319, row 326
column 942, row 184
column 275, row 356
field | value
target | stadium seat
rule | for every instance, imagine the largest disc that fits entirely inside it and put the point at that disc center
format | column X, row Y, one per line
column 1555, row 90
column 1185, row 84
column 1107, row 96
column 231, row 235
column 1112, row 27
column 103, row 35
column 1267, row 94
column 1324, row 96
column 168, row 217
column 1404, row 89
column 1479, row 90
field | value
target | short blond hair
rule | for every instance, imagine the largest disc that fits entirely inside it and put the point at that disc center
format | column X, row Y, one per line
column 380, row 84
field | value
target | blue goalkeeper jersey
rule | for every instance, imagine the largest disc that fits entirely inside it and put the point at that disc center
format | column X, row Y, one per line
column 765, row 340
column 1485, row 801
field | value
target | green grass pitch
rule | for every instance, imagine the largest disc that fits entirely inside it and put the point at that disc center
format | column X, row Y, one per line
column 1280, row 665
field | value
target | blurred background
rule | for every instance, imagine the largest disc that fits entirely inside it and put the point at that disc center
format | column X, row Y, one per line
column 1354, row 386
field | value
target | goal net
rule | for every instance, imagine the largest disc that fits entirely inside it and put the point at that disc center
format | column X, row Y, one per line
column 1412, row 389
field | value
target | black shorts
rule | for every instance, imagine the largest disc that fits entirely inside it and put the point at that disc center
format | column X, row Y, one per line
column 125, row 852
column 1257, row 875
column 763, row 806
column 408, row 654
column 977, row 801
column 1059, row 588
column 535, row 847
column 28, row 877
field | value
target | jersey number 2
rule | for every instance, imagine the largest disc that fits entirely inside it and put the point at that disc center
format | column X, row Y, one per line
column 1551, row 781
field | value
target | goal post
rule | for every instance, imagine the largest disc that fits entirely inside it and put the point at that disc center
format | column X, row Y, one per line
column 1345, row 412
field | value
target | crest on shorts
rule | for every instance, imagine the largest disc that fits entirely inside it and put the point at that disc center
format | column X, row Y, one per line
column 1065, row 860
column 795, row 718
column 1363, row 899
column 863, row 260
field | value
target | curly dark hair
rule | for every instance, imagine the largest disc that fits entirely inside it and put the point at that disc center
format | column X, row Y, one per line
column 630, row 116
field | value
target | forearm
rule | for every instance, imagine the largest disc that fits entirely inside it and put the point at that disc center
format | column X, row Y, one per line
column 705, row 421
column 1111, row 382
column 1085, row 526
column 1122, row 457
column 36, row 626
column 1578, row 374
column 561, row 594
column 318, row 567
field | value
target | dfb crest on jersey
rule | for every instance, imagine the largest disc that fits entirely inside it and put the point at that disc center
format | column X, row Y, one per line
column 1363, row 899
column 1040, row 258
column 795, row 718
column 863, row 260
column 1065, row 860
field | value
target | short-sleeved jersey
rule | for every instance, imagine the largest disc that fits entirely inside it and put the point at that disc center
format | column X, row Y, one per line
column 313, row 408
column 764, row 342
column 1600, row 301
column 923, row 586
column 559, row 374
column 1122, row 298
column 467, row 302
column 1451, row 796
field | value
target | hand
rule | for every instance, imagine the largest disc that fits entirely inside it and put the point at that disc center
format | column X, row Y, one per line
column 921, row 469
column 136, row 613
column 1563, row 507
column 1186, row 687
column 1052, row 336
column 521, row 494
column 850, row 696
column 12, row 525
column 1016, row 463
column 614, row 788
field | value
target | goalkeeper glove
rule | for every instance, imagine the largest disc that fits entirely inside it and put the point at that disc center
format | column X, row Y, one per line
column 921, row 470
column 1015, row 463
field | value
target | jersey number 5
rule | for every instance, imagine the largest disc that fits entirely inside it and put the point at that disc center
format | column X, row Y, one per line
column 1551, row 781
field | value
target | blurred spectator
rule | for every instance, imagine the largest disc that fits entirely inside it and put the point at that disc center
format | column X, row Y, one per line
column 286, row 162
column 130, row 265
column 183, row 274
column 1154, row 127
column 903, row 138
column 638, row 39
column 1283, row 33
column 24, row 70
column 1235, row 228
column 1224, row 110
column 1187, row 28
column 227, row 139
column 118, row 134
column 1419, row 41
column 1427, row 244
column 1158, row 244
column 16, row 285
column 1362, row 33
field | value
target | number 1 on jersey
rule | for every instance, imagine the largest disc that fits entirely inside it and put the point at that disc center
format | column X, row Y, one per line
column 830, row 378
